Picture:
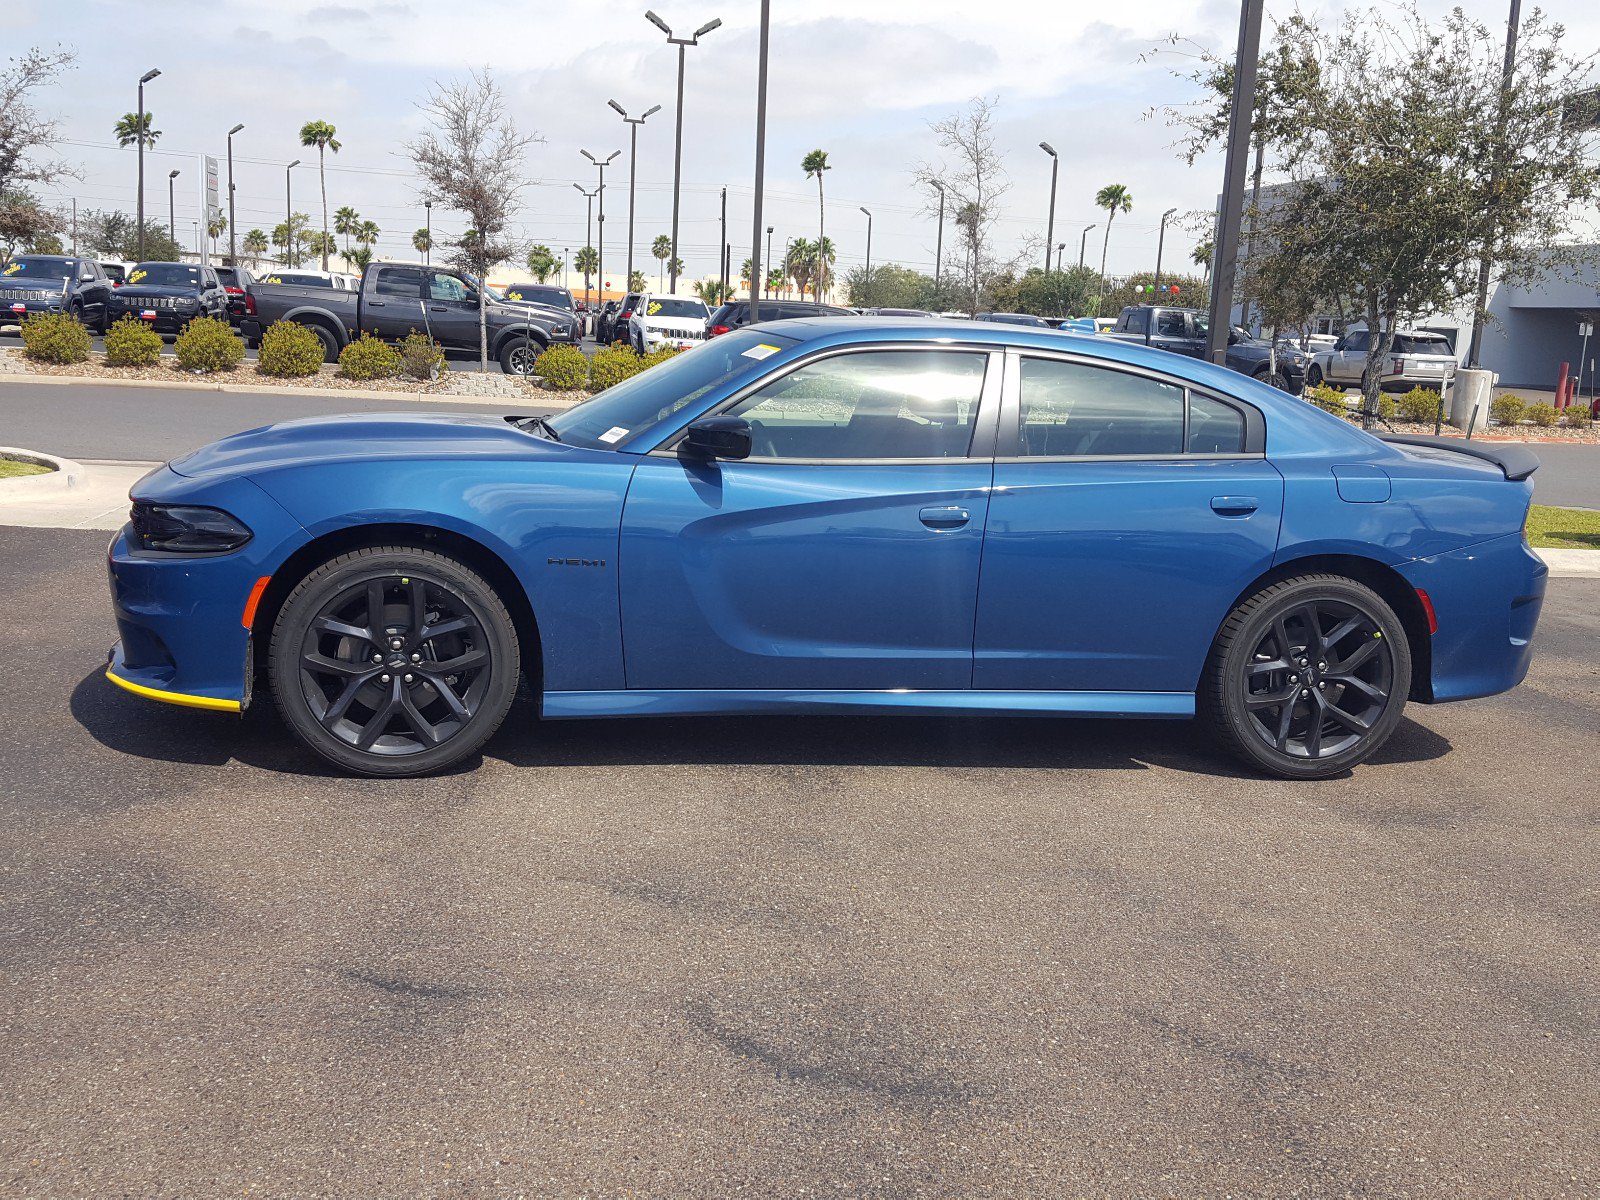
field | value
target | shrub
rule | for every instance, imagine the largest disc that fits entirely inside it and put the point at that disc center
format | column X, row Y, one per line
column 55, row 338
column 659, row 355
column 1508, row 409
column 563, row 368
column 421, row 357
column 289, row 349
column 1329, row 399
column 1542, row 415
column 611, row 366
column 1420, row 405
column 369, row 358
column 1579, row 416
column 208, row 344
column 132, row 343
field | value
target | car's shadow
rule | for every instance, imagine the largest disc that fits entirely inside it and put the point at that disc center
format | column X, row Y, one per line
column 138, row 727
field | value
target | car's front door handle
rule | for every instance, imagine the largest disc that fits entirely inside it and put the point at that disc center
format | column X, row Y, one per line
column 1234, row 506
column 377, row 303
column 944, row 517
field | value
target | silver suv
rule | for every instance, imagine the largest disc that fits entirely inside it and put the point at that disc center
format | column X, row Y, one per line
column 1417, row 359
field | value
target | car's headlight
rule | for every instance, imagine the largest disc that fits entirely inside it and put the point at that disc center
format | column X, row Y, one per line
column 186, row 528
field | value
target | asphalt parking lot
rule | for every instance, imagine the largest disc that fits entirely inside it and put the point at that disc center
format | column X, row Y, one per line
column 820, row 957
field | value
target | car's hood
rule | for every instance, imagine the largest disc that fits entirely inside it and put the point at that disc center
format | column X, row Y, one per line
column 674, row 324
column 364, row 436
column 52, row 286
column 523, row 312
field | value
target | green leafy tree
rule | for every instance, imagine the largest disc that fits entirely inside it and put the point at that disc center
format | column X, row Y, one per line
column 215, row 228
column 255, row 244
column 360, row 257
column 1067, row 293
column 127, row 130
column 345, row 221
column 422, row 240
column 889, row 286
column 775, row 280
column 541, row 262
column 1114, row 198
column 661, row 250
column 586, row 261
column 291, row 237
column 711, row 291
column 24, row 222
column 1192, row 292
column 637, row 282
column 112, row 234
column 814, row 164
column 321, row 135
column 47, row 243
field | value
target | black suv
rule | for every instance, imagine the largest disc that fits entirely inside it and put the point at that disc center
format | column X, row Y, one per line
column 42, row 283
column 168, row 295
column 736, row 313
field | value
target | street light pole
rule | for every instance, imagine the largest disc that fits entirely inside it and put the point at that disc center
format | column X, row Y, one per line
column 600, row 265
column 427, row 255
column 869, row 288
column 1226, row 243
column 1050, row 227
column 1161, row 243
column 938, row 245
column 757, row 270
column 724, row 271
column 288, row 212
column 767, row 278
column 1060, row 249
column 677, row 148
column 172, row 218
column 633, row 168
column 588, row 240
column 1084, row 241
column 140, row 130
column 233, row 232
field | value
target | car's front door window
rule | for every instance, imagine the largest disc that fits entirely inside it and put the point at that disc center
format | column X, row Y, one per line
column 448, row 287
column 900, row 404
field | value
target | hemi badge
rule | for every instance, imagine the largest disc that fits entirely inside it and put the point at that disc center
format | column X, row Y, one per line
column 574, row 562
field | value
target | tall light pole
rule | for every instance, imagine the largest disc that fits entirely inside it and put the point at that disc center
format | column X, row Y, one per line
column 1084, row 240
column 588, row 240
column 767, row 278
column 1050, row 227
column 172, row 216
column 938, row 245
column 288, row 211
column 677, row 147
column 724, row 244
column 1060, row 250
column 757, row 270
column 633, row 167
column 1226, row 243
column 600, row 265
column 233, row 243
column 141, row 130
column 427, row 255
column 869, row 254
column 1161, row 243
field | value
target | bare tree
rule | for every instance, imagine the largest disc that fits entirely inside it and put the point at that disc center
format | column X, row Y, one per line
column 26, row 140
column 974, row 179
column 471, row 160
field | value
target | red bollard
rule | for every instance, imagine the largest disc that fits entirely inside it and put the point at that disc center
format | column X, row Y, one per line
column 1561, row 386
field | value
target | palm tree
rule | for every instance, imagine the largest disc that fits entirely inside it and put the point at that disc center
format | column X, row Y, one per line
column 1114, row 198
column 422, row 241
column 126, row 131
column 711, row 291
column 661, row 250
column 587, row 260
column 255, row 245
column 775, row 280
column 814, row 164
column 215, row 229
column 345, row 221
column 320, row 134
column 800, row 263
column 636, row 282
column 541, row 262
column 365, row 234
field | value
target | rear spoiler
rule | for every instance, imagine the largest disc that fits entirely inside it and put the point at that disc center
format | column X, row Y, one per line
column 1516, row 462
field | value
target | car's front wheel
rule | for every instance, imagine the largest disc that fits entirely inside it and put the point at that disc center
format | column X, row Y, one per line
column 1313, row 376
column 518, row 356
column 1308, row 677
column 393, row 661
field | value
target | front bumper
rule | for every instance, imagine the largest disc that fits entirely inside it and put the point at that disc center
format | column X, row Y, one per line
column 14, row 312
column 166, row 320
column 1487, row 598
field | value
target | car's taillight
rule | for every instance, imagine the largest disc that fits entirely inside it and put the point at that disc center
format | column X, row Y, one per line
column 249, row 305
column 116, row 283
column 718, row 330
column 1399, row 365
column 234, row 291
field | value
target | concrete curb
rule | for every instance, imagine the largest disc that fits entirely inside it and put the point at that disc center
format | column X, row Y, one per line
column 1571, row 564
column 251, row 389
column 64, row 475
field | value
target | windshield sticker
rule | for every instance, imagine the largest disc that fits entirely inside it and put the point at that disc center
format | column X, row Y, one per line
column 13, row 268
column 137, row 275
column 760, row 352
column 655, row 307
column 615, row 434
column 513, row 295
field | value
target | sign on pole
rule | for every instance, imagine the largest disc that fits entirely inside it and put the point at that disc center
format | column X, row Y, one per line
column 210, row 204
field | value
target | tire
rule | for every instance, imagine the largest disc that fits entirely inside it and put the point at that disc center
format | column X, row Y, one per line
column 330, row 343
column 1310, row 715
column 1313, row 376
column 1278, row 380
column 431, row 699
column 518, row 354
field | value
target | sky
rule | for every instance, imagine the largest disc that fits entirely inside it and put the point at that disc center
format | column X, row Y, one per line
column 861, row 79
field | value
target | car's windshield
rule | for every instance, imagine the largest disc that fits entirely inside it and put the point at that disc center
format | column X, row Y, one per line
column 29, row 267
column 535, row 293
column 165, row 274
column 656, row 394
column 668, row 306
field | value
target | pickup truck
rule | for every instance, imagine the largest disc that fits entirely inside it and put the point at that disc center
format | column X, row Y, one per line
column 1183, row 331
column 396, row 298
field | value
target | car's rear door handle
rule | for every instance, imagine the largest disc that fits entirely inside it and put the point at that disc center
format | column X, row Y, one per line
column 1234, row 506
column 944, row 517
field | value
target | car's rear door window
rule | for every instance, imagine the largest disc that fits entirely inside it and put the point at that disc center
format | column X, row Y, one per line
column 1074, row 409
column 1214, row 427
column 399, row 282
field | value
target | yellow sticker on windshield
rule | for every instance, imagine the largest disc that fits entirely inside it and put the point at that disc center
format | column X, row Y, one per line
column 137, row 275
column 273, row 279
column 513, row 295
column 13, row 268
column 655, row 307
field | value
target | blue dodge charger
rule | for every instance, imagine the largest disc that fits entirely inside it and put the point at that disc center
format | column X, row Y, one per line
column 838, row 515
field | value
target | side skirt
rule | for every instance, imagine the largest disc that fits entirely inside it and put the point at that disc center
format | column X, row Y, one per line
column 567, row 705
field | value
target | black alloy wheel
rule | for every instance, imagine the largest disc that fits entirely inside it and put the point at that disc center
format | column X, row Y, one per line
column 1308, row 677
column 392, row 661
column 1313, row 376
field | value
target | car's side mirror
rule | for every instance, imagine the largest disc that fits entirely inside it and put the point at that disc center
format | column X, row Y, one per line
column 1233, row 338
column 719, row 437
column 1338, row 345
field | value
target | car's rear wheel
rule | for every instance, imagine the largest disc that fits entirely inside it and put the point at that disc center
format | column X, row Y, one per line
column 1308, row 677
column 393, row 661
column 1313, row 376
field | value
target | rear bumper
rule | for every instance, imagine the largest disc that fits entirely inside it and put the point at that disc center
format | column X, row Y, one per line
column 1487, row 598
